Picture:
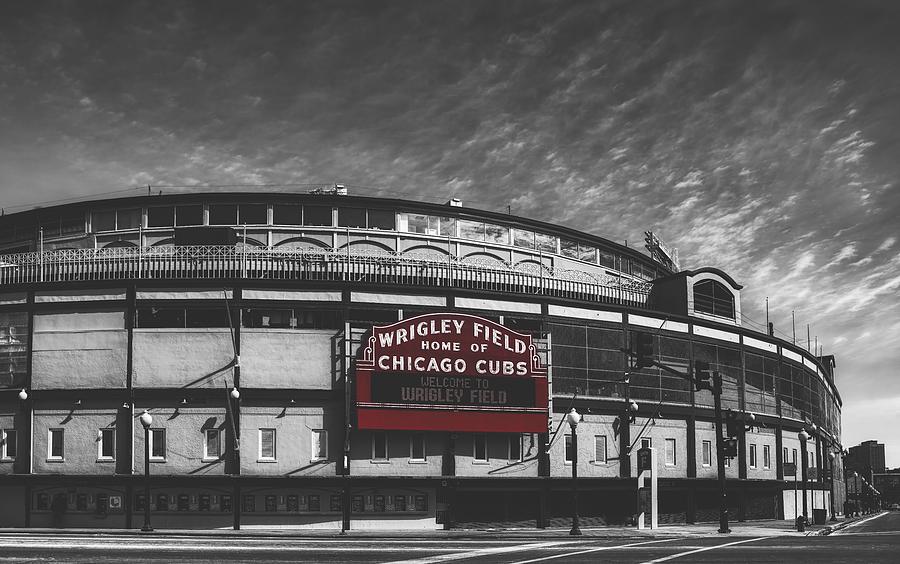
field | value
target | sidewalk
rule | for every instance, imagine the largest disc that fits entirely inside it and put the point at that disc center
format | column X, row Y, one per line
column 747, row 528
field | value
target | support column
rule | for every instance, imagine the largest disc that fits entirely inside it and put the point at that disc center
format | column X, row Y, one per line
column 691, row 446
column 624, row 445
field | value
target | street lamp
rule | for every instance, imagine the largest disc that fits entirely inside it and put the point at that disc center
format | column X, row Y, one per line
column 574, row 418
column 803, row 436
column 146, row 421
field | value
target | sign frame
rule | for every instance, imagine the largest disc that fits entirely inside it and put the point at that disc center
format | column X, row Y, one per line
column 484, row 362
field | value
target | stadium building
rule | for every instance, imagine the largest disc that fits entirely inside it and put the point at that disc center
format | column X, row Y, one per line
column 325, row 360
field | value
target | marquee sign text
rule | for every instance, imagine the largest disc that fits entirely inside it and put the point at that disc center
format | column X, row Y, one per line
column 452, row 372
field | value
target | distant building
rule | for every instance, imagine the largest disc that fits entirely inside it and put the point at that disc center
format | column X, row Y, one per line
column 866, row 458
column 324, row 360
column 888, row 486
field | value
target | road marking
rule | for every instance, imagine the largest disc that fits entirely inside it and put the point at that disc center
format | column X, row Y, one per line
column 851, row 525
column 481, row 552
column 597, row 549
column 680, row 554
column 198, row 547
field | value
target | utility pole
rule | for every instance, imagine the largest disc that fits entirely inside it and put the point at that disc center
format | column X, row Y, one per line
column 720, row 453
column 643, row 355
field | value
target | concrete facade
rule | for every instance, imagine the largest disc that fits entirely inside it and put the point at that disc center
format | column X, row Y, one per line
column 251, row 350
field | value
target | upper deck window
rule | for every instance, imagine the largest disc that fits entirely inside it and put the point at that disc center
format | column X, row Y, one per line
column 578, row 251
column 714, row 298
column 189, row 215
column 70, row 224
column 382, row 219
column 317, row 215
column 103, row 220
column 223, row 214
column 352, row 217
column 287, row 214
column 427, row 224
column 496, row 234
column 471, row 230
column 545, row 242
column 128, row 219
column 254, row 214
column 523, row 239
column 163, row 216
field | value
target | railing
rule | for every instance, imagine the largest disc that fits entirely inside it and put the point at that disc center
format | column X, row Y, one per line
column 321, row 265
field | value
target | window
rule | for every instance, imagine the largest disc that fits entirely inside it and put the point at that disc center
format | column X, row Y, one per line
column 128, row 219
column 752, row 461
column 379, row 446
column 417, row 447
column 179, row 317
column 157, row 444
column 472, row 230
column 480, row 453
column 426, row 224
column 206, row 317
column 212, row 444
column 254, row 214
column 545, row 242
column 524, row 239
column 292, row 318
column 646, row 442
column 286, row 214
column 515, row 448
column 670, row 452
column 317, row 215
column 767, row 457
column 707, row 453
column 570, row 452
column 8, row 444
column 600, row 449
column 189, row 215
column 714, row 298
column 319, row 444
column 382, row 219
column 161, row 217
column 496, row 234
column 351, row 217
column 56, row 444
column 784, row 455
column 267, row 444
column 106, row 447
column 103, row 220
column 794, row 455
column 223, row 214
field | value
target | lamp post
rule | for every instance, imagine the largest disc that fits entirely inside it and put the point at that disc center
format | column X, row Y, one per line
column 146, row 421
column 573, row 418
column 803, row 436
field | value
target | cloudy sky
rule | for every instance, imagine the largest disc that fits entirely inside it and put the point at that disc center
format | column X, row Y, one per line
column 759, row 137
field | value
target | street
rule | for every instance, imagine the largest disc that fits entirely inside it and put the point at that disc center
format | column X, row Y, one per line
column 874, row 539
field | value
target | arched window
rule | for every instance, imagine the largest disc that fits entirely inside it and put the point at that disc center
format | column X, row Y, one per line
column 714, row 298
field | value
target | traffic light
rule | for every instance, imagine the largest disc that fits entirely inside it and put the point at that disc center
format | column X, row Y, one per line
column 731, row 424
column 702, row 376
column 731, row 448
column 643, row 344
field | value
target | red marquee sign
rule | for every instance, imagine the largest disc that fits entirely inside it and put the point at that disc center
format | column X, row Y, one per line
column 450, row 372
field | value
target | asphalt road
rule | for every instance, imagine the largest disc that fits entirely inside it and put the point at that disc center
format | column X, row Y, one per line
column 870, row 541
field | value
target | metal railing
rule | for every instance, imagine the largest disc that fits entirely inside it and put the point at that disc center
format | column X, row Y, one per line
column 310, row 264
